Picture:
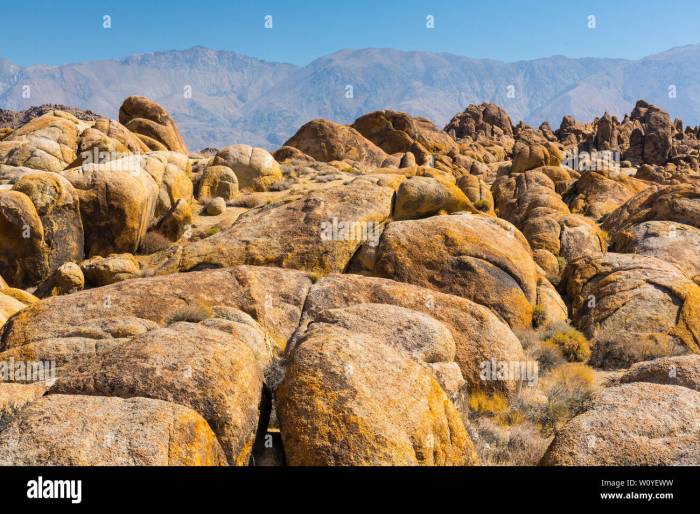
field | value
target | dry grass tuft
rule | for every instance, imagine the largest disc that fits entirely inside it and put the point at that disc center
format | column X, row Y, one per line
column 483, row 403
column 194, row 313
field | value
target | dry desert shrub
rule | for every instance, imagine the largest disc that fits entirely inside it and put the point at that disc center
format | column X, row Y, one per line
column 537, row 348
column 153, row 242
column 539, row 316
column 502, row 433
column 553, row 344
column 622, row 350
column 517, row 432
column 572, row 344
column 568, row 389
column 528, row 338
column 500, row 445
column 548, row 355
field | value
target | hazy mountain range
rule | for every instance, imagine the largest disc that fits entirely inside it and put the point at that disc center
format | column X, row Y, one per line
column 240, row 99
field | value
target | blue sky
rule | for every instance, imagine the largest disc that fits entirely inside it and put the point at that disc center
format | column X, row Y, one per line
column 59, row 32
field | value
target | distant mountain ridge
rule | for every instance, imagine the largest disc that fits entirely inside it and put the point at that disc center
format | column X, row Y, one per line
column 240, row 99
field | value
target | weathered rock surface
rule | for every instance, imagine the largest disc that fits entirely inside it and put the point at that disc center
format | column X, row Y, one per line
column 171, row 172
column 478, row 192
column 638, row 424
column 57, row 204
column 478, row 257
column 21, row 295
column 398, row 132
column 15, row 119
column 318, row 233
column 255, row 168
column 598, row 193
column 121, row 199
column 328, row 141
column 651, row 139
column 117, row 204
column 683, row 371
column 8, row 307
column 478, row 334
column 217, row 181
column 273, row 297
column 350, row 399
column 68, row 278
column 425, row 338
column 47, row 143
column 679, row 203
column 14, row 396
column 485, row 119
column 531, row 156
column 24, row 257
column 102, row 271
column 418, row 197
column 676, row 243
column 131, row 432
column 634, row 307
column 152, row 124
column 107, row 139
column 214, row 373
column 533, row 205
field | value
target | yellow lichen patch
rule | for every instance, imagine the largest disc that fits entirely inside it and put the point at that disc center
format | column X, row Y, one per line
column 20, row 295
column 688, row 325
column 192, row 442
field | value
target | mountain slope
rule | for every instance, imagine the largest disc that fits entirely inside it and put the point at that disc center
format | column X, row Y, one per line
column 433, row 85
column 221, row 83
column 236, row 98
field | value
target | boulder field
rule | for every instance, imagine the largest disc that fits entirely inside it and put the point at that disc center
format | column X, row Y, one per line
column 380, row 293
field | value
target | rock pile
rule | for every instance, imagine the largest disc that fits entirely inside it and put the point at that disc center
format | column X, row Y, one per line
column 380, row 293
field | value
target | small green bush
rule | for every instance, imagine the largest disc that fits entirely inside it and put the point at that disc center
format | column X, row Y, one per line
column 482, row 205
column 539, row 316
column 211, row 231
column 562, row 264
